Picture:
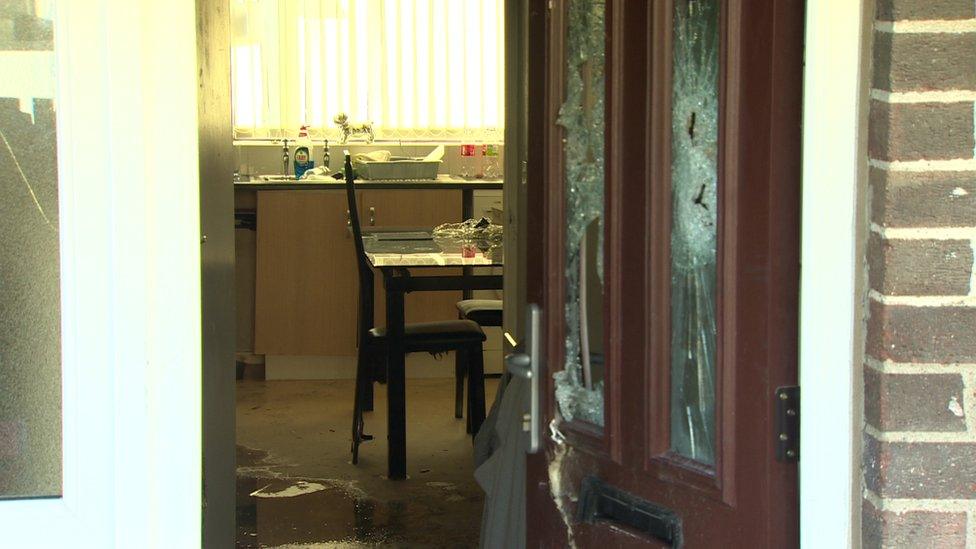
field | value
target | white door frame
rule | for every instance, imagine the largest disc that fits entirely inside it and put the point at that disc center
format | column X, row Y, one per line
column 831, row 342
column 130, row 279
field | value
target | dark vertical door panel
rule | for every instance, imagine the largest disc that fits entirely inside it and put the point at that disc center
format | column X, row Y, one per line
column 217, row 274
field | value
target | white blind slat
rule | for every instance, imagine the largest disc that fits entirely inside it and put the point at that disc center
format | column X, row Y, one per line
column 417, row 69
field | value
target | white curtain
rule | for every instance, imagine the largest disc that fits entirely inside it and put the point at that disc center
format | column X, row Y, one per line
column 416, row 69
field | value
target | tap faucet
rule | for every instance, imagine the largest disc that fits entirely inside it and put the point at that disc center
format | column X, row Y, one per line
column 284, row 157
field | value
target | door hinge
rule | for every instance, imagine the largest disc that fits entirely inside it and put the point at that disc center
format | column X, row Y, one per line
column 788, row 424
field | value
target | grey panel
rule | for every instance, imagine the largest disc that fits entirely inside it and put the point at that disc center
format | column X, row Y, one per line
column 30, row 312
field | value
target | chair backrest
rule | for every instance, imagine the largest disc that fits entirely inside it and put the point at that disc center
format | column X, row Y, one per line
column 362, row 262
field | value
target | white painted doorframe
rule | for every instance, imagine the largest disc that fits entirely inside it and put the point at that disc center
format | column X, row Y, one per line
column 129, row 213
column 832, row 269
column 129, row 195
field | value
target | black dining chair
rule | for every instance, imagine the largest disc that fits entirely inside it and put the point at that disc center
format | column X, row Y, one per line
column 487, row 313
column 464, row 337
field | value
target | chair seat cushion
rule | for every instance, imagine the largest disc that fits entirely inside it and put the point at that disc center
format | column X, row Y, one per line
column 442, row 332
column 486, row 312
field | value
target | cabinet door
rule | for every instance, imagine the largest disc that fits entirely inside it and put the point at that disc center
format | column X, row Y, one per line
column 413, row 208
column 307, row 287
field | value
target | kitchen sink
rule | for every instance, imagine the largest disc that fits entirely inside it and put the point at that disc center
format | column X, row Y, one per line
column 278, row 178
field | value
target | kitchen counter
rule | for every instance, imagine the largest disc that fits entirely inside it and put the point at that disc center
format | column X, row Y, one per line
column 443, row 182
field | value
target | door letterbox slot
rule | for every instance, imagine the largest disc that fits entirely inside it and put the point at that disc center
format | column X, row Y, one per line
column 599, row 501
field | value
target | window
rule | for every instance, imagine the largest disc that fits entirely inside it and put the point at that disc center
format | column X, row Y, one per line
column 416, row 69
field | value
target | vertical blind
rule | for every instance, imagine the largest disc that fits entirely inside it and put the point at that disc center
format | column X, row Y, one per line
column 416, row 69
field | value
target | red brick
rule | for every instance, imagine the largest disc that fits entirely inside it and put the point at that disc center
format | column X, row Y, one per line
column 942, row 529
column 923, row 199
column 919, row 267
column 897, row 10
column 920, row 470
column 912, row 402
column 904, row 333
column 921, row 61
column 921, row 131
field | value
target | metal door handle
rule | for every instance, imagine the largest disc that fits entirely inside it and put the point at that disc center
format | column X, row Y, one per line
column 348, row 219
column 372, row 216
column 527, row 365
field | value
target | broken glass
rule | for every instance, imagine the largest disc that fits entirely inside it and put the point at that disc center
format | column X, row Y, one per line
column 694, row 182
column 579, row 386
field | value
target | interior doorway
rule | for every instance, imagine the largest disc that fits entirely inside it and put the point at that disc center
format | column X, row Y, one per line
column 284, row 422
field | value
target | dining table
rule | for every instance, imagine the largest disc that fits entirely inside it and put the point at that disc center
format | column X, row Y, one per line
column 397, row 254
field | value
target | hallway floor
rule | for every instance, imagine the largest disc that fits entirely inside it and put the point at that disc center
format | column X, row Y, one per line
column 297, row 488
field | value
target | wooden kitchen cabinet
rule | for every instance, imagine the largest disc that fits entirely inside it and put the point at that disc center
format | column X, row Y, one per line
column 306, row 283
column 306, row 290
column 409, row 208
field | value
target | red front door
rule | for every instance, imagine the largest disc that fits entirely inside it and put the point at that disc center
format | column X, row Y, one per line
column 668, row 273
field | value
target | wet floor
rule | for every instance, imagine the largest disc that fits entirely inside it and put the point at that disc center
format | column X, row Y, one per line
column 297, row 488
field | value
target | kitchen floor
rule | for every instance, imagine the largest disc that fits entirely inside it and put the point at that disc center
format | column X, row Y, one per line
column 297, row 488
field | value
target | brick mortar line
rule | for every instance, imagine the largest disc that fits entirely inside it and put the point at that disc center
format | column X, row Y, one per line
column 904, row 505
column 941, row 437
column 969, row 400
column 971, row 529
column 932, row 26
column 961, row 301
column 891, row 367
column 924, row 233
column 972, row 270
column 956, row 165
column 948, row 96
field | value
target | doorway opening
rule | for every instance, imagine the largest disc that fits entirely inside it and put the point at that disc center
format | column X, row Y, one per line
column 296, row 293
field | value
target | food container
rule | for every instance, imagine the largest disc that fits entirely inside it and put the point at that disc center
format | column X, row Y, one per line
column 398, row 167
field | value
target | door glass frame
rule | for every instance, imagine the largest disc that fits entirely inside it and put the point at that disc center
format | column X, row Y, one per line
column 661, row 460
column 580, row 434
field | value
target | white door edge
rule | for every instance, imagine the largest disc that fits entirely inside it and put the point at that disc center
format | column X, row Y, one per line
column 831, row 266
column 129, row 215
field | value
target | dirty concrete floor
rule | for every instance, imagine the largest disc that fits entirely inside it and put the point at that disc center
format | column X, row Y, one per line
column 293, row 453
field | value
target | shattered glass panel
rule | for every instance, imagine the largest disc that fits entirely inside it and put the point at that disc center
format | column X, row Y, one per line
column 694, row 179
column 30, row 315
column 579, row 386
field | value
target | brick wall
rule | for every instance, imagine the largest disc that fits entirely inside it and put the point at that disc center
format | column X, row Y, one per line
column 920, row 373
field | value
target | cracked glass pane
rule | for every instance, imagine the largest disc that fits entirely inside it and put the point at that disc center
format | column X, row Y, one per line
column 579, row 386
column 694, row 178
column 30, row 315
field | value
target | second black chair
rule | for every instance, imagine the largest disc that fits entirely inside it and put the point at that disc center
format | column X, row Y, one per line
column 464, row 337
column 487, row 313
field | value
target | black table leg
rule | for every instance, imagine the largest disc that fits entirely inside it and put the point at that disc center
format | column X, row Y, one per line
column 476, row 388
column 467, row 212
column 467, row 204
column 396, row 386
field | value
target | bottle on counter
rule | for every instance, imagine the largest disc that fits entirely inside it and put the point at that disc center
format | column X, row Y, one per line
column 489, row 154
column 467, row 167
column 303, row 153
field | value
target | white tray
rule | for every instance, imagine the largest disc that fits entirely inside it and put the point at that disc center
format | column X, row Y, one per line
column 398, row 168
